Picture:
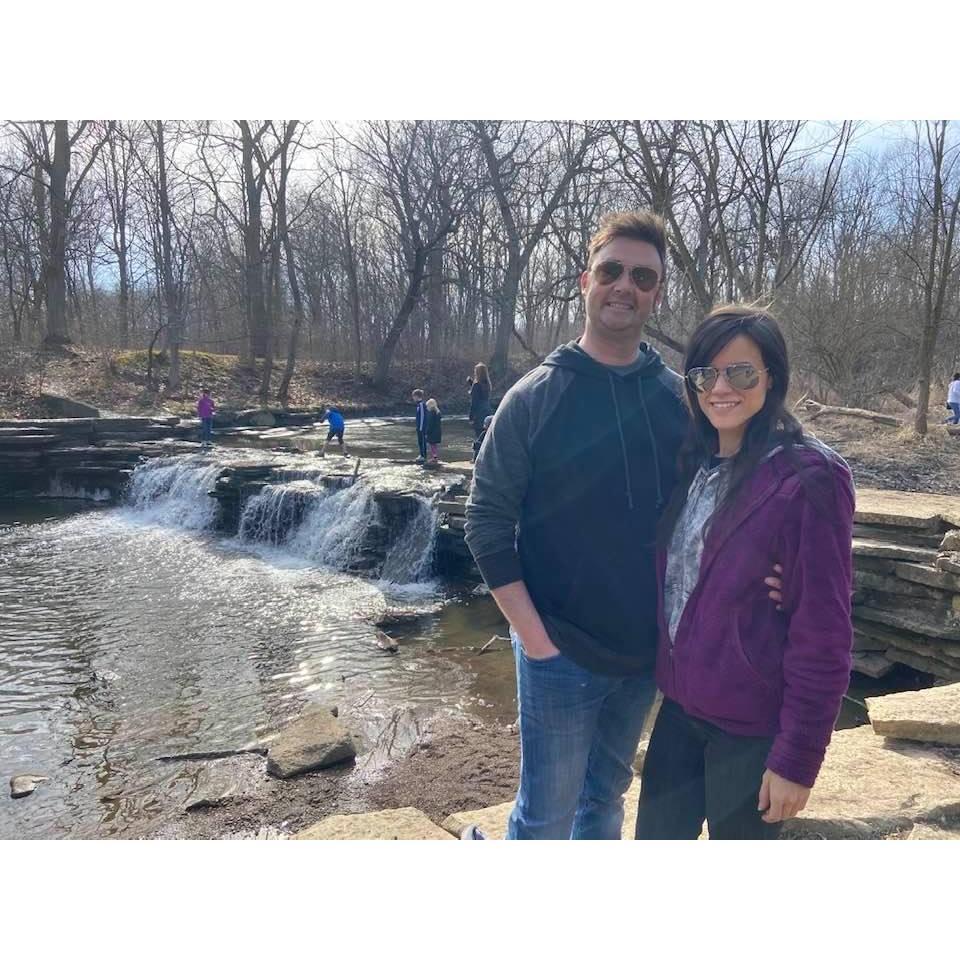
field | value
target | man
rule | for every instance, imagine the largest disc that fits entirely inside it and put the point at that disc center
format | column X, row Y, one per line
column 421, row 420
column 567, row 491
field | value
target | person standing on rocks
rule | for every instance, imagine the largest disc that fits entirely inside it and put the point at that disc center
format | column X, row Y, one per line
column 568, row 487
column 434, row 430
column 480, row 387
column 205, row 410
column 953, row 399
column 751, row 692
column 421, row 423
column 337, row 425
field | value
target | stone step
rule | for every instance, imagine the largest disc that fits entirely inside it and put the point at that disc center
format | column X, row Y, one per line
column 875, row 548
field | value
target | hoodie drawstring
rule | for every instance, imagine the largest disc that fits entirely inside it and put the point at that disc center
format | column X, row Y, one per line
column 623, row 442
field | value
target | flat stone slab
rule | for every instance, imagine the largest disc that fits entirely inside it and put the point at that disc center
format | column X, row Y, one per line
column 924, row 511
column 406, row 823
column 871, row 664
column 930, row 716
column 892, row 551
column 314, row 740
column 493, row 820
column 870, row 788
column 929, row 576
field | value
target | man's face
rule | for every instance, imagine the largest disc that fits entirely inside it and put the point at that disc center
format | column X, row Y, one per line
column 620, row 308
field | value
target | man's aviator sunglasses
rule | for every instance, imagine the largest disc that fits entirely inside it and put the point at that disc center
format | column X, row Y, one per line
column 740, row 376
column 643, row 278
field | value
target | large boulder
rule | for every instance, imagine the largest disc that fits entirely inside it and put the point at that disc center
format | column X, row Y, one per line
column 872, row 788
column 406, row 823
column 930, row 716
column 314, row 740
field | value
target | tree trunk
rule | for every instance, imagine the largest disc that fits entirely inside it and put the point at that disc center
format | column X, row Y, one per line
column 171, row 296
column 56, row 259
column 385, row 353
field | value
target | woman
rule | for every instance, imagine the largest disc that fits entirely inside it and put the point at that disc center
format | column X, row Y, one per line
column 479, row 397
column 751, row 691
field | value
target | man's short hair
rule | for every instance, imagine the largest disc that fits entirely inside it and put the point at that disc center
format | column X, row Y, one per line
column 644, row 225
column 418, row 394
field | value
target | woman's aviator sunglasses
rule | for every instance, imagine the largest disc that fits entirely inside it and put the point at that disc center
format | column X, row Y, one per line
column 740, row 376
column 643, row 278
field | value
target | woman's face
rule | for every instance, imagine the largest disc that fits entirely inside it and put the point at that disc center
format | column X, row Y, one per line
column 728, row 408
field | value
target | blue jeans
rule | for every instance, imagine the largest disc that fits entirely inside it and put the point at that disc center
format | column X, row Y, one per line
column 206, row 430
column 955, row 410
column 578, row 737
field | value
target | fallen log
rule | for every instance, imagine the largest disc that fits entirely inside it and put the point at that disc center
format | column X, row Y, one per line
column 812, row 409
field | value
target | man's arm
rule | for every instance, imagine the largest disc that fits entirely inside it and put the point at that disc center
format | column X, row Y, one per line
column 501, row 476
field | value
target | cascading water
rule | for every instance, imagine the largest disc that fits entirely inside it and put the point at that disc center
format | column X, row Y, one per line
column 176, row 493
column 410, row 559
column 334, row 529
column 272, row 515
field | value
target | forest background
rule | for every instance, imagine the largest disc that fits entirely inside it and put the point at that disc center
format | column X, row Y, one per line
column 365, row 245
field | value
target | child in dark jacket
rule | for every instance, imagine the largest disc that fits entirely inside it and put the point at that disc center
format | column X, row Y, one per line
column 433, row 430
column 478, row 443
column 751, row 692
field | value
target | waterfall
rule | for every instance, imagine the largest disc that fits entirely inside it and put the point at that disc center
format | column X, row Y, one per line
column 271, row 515
column 175, row 493
column 335, row 528
column 410, row 558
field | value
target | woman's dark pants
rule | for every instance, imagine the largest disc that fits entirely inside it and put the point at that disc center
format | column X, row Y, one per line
column 694, row 771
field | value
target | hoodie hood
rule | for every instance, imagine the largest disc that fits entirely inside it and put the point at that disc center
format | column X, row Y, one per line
column 573, row 357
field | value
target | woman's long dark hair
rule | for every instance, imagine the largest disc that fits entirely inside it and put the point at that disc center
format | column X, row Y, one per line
column 771, row 426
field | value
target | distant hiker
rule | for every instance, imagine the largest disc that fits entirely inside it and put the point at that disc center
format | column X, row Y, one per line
column 953, row 400
column 421, row 418
column 205, row 411
column 337, row 425
column 433, row 430
column 478, row 443
column 479, row 385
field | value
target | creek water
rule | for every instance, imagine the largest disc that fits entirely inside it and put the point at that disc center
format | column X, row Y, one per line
column 134, row 632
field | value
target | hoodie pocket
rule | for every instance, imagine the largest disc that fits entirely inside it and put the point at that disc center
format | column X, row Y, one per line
column 720, row 680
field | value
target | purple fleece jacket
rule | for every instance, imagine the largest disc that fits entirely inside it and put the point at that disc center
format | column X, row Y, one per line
column 737, row 661
column 205, row 407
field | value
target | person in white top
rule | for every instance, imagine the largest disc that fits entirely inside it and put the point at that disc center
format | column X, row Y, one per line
column 953, row 400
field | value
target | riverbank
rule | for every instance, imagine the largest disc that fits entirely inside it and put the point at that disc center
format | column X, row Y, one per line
column 117, row 381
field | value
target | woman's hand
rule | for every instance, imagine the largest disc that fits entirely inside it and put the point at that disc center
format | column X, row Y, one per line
column 780, row 798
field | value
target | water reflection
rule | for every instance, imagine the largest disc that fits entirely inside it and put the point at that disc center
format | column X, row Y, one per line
column 126, row 636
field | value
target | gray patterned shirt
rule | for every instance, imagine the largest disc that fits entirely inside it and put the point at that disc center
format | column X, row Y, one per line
column 686, row 541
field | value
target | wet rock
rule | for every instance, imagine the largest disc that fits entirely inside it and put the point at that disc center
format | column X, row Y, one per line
column 23, row 784
column 406, row 823
column 385, row 642
column 871, row 788
column 930, row 716
column 314, row 740
column 221, row 781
